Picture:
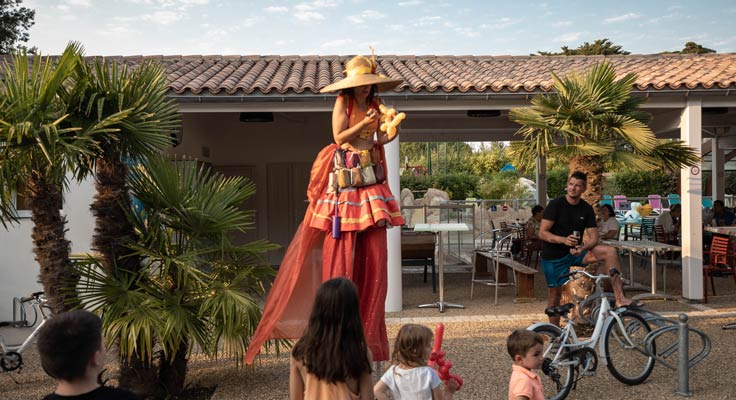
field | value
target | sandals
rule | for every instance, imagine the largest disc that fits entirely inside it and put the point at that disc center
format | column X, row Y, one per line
column 634, row 304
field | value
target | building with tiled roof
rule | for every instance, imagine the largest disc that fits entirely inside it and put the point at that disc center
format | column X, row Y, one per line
column 263, row 117
column 446, row 98
column 228, row 76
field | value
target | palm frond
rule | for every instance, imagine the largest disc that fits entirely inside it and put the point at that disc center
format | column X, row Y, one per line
column 672, row 155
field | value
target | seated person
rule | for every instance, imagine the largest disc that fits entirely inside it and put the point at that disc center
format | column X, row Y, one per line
column 670, row 220
column 608, row 227
column 721, row 215
column 532, row 225
column 73, row 353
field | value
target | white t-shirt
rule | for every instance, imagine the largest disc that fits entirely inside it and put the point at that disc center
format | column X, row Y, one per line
column 411, row 384
column 608, row 225
column 665, row 219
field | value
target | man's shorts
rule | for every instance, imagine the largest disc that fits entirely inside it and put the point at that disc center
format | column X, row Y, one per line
column 556, row 272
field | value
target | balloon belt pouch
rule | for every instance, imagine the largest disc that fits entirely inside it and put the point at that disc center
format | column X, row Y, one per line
column 365, row 158
column 369, row 177
column 332, row 183
column 343, row 178
column 340, row 159
column 379, row 173
column 356, row 178
column 378, row 165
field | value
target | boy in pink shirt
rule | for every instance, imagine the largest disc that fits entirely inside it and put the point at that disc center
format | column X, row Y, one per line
column 525, row 348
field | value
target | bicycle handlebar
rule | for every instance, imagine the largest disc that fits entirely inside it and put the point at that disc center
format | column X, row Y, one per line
column 34, row 296
column 613, row 273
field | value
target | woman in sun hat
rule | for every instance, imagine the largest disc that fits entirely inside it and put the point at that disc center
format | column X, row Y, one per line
column 343, row 233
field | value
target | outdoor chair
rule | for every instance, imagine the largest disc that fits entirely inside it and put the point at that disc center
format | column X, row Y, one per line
column 500, row 252
column 670, row 256
column 607, row 200
column 664, row 237
column 707, row 202
column 618, row 200
column 673, row 198
column 647, row 228
column 533, row 248
column 717, row 264
column 418, row 249
column 655, row 201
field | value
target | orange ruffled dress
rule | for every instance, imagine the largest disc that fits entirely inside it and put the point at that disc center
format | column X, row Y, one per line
column 314, row 256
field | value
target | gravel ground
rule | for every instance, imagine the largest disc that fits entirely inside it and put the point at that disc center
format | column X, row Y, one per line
column 475, row 340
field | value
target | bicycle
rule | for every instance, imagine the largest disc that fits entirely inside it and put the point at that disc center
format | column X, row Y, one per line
column 11, row 357
column 619, row 333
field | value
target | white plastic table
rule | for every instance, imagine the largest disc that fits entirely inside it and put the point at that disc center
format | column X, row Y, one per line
column 643, row 246
column 438, row 229
column 723, row 230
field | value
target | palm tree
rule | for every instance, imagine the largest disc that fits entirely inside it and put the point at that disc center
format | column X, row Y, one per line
column 146, row 130
column 194, row 287
column 40, row 147
column 593, row 121
column 150, row 119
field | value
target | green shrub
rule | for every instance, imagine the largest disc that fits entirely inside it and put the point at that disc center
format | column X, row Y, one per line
column 556, row 182
column 640, row 183
column 503, row 185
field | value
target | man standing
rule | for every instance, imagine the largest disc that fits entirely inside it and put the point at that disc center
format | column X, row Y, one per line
column 562, row 249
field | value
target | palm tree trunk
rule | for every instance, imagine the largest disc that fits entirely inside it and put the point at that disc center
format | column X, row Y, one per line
column 138, row 376
column 49, row 242
column 112, row 227
column 593, row 168
column 113, row 231
column 172, row 372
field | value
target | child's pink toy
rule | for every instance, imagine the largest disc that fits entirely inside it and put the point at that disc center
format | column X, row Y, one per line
column 437, row 357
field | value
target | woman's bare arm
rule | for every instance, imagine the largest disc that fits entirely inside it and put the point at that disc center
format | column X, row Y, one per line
column 296, row 383
column 340, row 131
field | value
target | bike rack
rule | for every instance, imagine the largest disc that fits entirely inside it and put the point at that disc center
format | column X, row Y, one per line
column 681, row 346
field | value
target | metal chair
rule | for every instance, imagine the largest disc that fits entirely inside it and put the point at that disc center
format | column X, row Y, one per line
column 717, row 264
column 646, row 230
column 501, row 250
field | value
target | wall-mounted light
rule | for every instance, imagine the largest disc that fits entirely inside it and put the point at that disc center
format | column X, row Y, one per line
column 715, row 110
column 483, row 113
column 256, row 117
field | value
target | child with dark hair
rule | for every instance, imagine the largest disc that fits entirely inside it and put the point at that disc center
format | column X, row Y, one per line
column 73, row 353
column 331, row 360
column 525, row 348
column 410, row 377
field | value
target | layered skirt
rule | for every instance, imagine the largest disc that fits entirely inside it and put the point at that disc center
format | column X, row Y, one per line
column 317, row 253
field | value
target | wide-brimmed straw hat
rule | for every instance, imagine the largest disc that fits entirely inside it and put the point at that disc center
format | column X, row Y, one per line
column 361, row 71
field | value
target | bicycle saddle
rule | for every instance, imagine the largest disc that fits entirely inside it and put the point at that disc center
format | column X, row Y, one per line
column 559, row 310
column 14, row 324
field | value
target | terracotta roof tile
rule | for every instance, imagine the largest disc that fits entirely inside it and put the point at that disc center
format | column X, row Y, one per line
column 239, row 75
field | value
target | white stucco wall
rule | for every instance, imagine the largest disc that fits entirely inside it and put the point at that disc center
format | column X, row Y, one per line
column 293, row 137
column 20, row 269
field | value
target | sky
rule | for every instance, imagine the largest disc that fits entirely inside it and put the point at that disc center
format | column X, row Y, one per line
column 399, row 27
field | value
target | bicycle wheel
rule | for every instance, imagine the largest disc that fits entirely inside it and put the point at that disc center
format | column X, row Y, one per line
column 558, row 376
column 630, row 364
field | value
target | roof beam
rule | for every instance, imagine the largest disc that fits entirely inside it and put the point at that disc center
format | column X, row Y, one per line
column 707, row 147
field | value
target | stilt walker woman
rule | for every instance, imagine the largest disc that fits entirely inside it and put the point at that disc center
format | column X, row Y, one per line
column 343, row 233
